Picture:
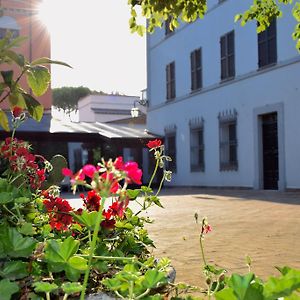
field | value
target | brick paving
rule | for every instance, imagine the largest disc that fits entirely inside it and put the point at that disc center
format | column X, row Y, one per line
column 262, row 224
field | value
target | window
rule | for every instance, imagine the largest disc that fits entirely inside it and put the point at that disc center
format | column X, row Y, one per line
column 197, row 149
column 196, row 69
column 170, row 141
column 267, row 48
column 170, row 80
column 168, row 31
column 4, row 31
column 228, row 141
column 227, row 56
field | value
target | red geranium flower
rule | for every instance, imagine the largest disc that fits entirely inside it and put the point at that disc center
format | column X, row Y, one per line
column 89, row 170
column 118, row 163
column 154, row 144
column 92, row 201
column 58, row 210
column 134, row 174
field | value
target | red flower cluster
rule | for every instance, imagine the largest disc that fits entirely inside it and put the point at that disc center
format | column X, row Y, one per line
column 109, row 179
column 154, row 144
column 22, row 161
column 116, row 209
column 58, row 210
column 133, row 173
column 92, row 201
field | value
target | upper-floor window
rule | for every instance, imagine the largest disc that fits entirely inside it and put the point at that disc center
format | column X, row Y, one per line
column 227, row 56
column 14, row 33
column 267, row 48
column 170, row 81
column 228, row 141
column 196, row 69
column 168, row 30
column 9, row 24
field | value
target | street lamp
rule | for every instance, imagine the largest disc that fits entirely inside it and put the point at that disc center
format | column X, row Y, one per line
column 143, row 102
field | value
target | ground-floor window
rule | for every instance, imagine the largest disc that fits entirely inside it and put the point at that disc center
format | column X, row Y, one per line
column 170, row 143
column 228, row 141
column 197, row 145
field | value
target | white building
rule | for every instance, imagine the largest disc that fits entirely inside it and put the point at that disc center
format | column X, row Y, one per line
column 227, row 100
column 107, row 108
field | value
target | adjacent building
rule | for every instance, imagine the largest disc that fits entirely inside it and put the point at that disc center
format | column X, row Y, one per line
column 227, row 100
column 20, row 17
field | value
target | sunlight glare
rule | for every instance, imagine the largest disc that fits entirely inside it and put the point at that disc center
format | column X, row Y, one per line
column 49, row 12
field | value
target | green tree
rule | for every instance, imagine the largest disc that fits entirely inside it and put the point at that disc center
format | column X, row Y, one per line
column 66, row 98
column 157, row 11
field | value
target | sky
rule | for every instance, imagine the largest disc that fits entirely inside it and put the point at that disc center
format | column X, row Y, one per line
column 93, row 36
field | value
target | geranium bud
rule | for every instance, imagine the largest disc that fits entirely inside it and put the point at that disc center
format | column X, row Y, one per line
column 17, row 111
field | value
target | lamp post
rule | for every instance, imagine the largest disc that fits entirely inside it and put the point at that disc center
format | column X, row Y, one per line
column 143, row 102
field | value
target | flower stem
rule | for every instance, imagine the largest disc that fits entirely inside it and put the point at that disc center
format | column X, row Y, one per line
column 202, row 251
column 92, row 249
column 160, row 185
column 154, row 173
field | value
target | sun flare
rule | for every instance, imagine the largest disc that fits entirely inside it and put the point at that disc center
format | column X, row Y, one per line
column 49, row 14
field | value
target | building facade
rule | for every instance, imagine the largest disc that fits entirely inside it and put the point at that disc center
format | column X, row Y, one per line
column 21, row 18
column 227, row 100
column 107, row 108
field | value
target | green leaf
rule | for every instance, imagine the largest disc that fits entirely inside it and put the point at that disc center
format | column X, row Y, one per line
column 17, row 58
column 15, row 270
column 22, row 200
column 13, row 244
column 7, row 76
column 7, row 289
column 27, row 229
column 124, row 225
column 46, row 60
column 35, row 109
column 283, row 286
column 154, row 278
column 132, row 194
column 240, row 284
column 16, row 99
column 71, row 287
column 212, row 269
column 6, row 197
column 57, row 251
column 87, row 219
column 38, row 79
column 156, row 201
column 146, row 189
column 225, row 294
column 78, row 263
column 4, row 120
column 44, row 287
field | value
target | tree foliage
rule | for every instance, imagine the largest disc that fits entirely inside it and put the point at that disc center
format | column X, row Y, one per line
column 66, row 98
column 158, row 11
column 14, row 66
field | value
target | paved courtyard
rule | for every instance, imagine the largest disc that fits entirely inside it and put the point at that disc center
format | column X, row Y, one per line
column 262, row 224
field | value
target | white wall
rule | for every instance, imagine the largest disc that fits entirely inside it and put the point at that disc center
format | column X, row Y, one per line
column 250, row 90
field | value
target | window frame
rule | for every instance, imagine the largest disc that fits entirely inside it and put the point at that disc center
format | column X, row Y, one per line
column 171, row 165
column 200, row 166
column 227, row 56
column 170, row 81
column 228, row 160
column 265, row 39
column 196, row 69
